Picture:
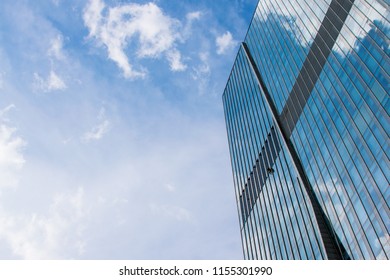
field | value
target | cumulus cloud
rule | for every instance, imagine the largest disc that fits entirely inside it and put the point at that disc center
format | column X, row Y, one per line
column 297, row 19
column 11, row 151
column 153, row 33
column 225, row 42
column 51, row 236
column 352, row 30
column 51, row 83
column 99, row 130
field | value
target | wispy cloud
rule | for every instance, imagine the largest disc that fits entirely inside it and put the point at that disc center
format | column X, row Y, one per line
column 51, row 83
column 145, row 26
column 169, row 187
column 171, row 211
column 55, row 49
column 193, row 16
column 203, row 69
column 162, row 134
column 56, row 2
column 175, row 61
column 225, row 42
column 37, row 236
column 3, row 112
column 99, row 130
column 11, row 151
column 190, row 19
column 201, row 72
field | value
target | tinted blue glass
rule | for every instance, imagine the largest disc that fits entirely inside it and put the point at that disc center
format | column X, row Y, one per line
column 331, row 95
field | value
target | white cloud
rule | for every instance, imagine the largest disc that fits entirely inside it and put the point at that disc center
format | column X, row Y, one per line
column 11, row 148
column 204, row 68
column 156, row 32
column 190, row 18
column 56, row 235
column 3, row 112
column 353, row 30
column 170, row 187
column 171, row 211
column 93, row 18
column 174, row 58
column 98, row 131
column 225, row 42
column 194, row 16
column 201, row 73
column 163, row 140
column 51, row 83
column 55, row 49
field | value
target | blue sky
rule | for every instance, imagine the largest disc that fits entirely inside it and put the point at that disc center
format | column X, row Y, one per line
column 112, row 134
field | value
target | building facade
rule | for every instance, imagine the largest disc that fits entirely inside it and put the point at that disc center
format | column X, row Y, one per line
column 307, row 114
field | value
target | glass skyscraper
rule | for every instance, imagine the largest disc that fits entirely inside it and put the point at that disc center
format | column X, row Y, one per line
column 307, row 113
